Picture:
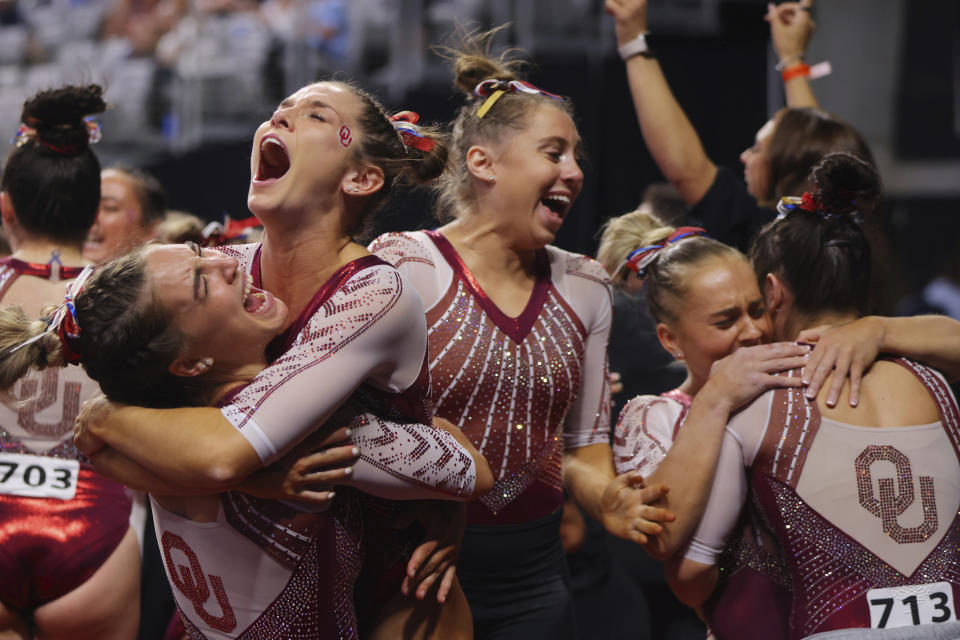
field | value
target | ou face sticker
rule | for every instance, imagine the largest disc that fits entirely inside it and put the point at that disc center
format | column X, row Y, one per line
column 345, row 137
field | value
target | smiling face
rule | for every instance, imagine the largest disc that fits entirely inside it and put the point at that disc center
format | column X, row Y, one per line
column 756, row 163
column 302, row 155
column 119, row 225
column 722, row 311
column 215, row 305
column 538, row 177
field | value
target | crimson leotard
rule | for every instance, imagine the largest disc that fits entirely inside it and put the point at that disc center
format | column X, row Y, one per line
column 520, row 388
column 865, row 515
column 51, row 545
column 752, row 599
column 264, row 569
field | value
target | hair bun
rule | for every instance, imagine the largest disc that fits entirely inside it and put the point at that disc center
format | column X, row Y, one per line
column 845, row 183
column 57, row 115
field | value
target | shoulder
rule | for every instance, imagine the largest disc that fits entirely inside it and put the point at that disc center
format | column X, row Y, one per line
column 577, row 265
column 244, row 253
column 643, row 408
column 399, row 247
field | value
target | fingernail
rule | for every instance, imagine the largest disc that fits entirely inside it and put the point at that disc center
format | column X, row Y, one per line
column 348, row 432
column 355, row 451
column 331, row 495
column 348, row 471
column 810, row 396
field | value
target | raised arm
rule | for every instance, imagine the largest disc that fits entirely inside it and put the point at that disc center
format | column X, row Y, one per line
column 790, row 29
column 667, row 132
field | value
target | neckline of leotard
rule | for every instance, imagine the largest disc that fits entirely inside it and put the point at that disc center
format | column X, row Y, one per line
column 282, row 343
column 516, row 328
column 40, row 270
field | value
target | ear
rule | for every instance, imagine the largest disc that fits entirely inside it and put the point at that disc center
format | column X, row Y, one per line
column 774, row 294
column 190, row 367
column 480, row 163
column 6, row 209
column 668, row 340
column 363, row 181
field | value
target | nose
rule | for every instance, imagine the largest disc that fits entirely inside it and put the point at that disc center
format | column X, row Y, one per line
column 224, row 264
column 572, row 174
column 750, row 333
column 281, row 118
column 744, row 155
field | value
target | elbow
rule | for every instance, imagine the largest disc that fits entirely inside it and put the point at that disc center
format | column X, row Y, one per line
column 690, row 581
column 228, row 467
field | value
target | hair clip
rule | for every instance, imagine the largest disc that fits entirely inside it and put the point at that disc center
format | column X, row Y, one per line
column 405, row 122
column 639, row 259
column 811, row 203
column 493, row 88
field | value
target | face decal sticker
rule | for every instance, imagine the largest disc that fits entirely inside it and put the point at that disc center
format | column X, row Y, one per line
column 345, row 138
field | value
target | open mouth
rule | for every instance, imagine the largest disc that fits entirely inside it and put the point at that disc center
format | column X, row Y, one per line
column 558, row 204
column 274, row 161
column 253, row 298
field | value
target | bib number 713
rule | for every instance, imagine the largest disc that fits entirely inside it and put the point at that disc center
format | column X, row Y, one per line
column 911, row 605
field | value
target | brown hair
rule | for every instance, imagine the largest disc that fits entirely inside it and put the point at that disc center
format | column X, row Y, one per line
column 665, row 282
column 824, row 257
column 472, row 64
column 801, row 138
column 127, row 341
column 52, row 176
column 381, row 145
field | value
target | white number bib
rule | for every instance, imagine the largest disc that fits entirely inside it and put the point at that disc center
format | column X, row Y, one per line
column 38, row 476
column 911, row 605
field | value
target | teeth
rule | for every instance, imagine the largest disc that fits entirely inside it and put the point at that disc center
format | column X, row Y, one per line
column 559, row 198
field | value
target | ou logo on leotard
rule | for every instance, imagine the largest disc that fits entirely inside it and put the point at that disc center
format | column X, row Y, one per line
column 192, row 583
column 894, row 500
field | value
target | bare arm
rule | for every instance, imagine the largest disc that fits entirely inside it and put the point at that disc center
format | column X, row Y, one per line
column 851, row 348
column 621, row 503
column 691, row 463
column 790, row 31
column 668, row 133
column 195, row 446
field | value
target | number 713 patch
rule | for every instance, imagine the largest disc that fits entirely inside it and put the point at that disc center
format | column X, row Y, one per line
column 38, row 476
column 911, row 605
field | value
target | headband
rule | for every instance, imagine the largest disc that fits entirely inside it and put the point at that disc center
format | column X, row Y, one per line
column 640, row 258
column 811, row 203
column 492, row 89
column 405, row 122
column 28, row 131
column 64, row 322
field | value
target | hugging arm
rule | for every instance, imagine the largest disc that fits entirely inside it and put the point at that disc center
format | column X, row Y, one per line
column 848, row 350
column 690, row 464
column 218, row 448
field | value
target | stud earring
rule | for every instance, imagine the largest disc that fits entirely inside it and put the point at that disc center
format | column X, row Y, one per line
column 678, row 355
column 492, row 178
column 353, row 188
column 206, row 363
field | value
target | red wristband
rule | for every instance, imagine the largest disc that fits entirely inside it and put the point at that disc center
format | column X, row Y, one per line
column 796, row 71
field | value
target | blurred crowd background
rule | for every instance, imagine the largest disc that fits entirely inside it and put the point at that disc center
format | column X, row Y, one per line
column 189, row 80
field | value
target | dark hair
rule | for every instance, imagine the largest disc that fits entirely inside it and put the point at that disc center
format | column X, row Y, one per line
column 127, row 341
column 148, row 192
column 824, row 256
column 472, row 64
column 381, row 145
column 665, row 283
column 52, row 176
column 801, row 138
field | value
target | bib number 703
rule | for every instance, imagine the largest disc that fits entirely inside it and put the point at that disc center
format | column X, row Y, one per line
column 911, row 605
